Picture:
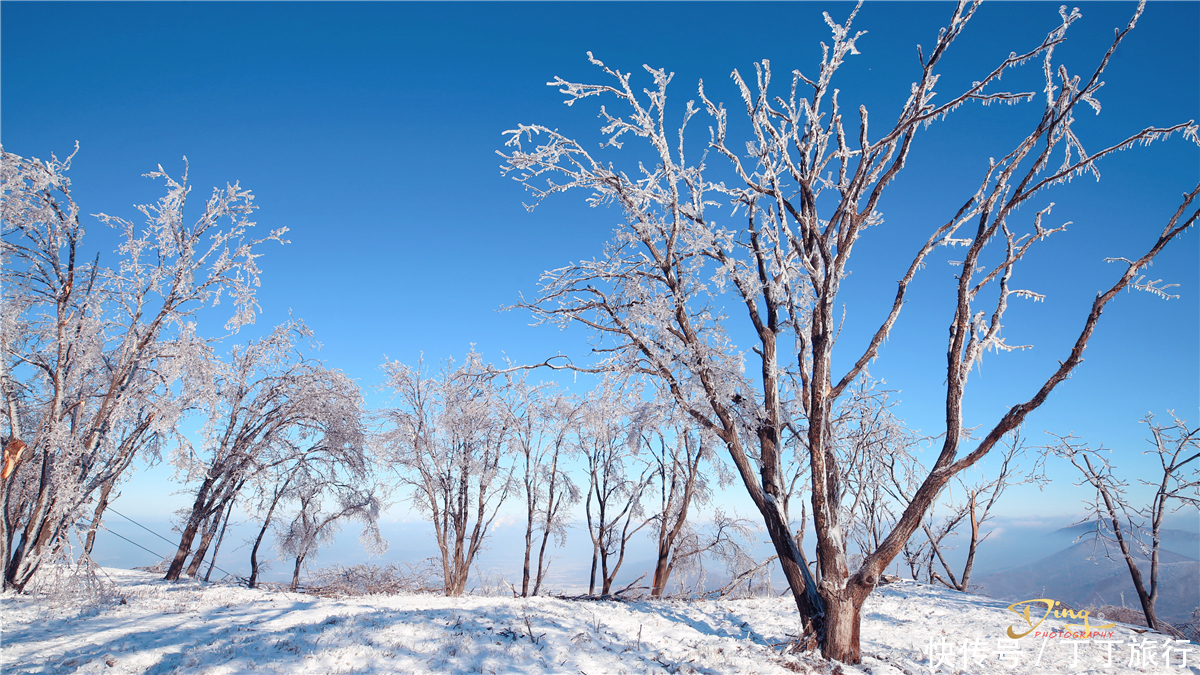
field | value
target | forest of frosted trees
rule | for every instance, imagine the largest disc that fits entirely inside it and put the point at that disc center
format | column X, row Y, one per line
column 739, row 224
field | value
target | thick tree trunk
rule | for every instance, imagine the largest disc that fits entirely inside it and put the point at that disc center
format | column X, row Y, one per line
column 206, row 537
column 843, row 619
column 795, row 570
column 606, row 579
column 528, row 551
column 662, row 571
column 181, row 554
column 25, row 559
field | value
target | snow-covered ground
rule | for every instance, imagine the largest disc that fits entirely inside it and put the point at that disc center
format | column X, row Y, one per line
column 145, row 625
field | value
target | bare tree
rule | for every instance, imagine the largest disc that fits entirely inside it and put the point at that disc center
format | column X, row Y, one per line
column 1177, row 449
column 276, row 489
column 609, row 443
column 448, row 443
column 273, row 407
column 561, row 491
column 722, row 540
column 541, row 421
column 975, row 510
column 806, row 190
column 682, row 486
column 308, row 467
column 93, row 356
column 313, row 527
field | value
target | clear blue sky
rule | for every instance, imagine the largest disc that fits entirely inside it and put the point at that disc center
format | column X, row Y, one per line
column 370, row 131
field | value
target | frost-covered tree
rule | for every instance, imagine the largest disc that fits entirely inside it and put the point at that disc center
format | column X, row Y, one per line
column 541, row 421
column 1131, row 528
column 314, row 472
column 314, row 526
column 448, row 442
column 803, row 189
column 972, row 512
column 684, row 476
column 609, row 441
column 99, row 362
column 271, row 407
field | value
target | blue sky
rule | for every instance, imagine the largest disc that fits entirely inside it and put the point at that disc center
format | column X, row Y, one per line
column 370, row 130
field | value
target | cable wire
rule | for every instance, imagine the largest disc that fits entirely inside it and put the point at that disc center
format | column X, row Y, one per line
column 153, row 533
column 134, row 543
column 139, row 525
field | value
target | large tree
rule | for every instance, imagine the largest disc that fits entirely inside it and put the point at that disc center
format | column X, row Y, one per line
column 663, row 296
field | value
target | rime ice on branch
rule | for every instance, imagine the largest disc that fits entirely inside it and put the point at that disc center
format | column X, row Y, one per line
column 100, row 362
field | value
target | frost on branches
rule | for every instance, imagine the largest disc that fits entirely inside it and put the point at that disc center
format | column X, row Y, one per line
column 448, row 441
column 802, row 191
column 99, row 362
column 274, row 415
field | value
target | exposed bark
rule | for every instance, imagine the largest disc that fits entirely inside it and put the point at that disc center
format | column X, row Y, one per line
column 211, row 528
column 296, row 572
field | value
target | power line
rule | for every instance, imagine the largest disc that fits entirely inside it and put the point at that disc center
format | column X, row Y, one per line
column 153, row 533
column 139, row 525
column 134, row 543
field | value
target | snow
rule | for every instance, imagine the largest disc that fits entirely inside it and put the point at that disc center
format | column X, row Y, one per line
column 145, row 625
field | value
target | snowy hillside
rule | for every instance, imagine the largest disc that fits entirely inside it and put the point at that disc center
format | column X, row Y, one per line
column 150, row 626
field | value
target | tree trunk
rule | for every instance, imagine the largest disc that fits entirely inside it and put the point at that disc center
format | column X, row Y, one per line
column 25, row 559
column 189, row 532
column 528, row 549
column 541, row 566
column 843, row 618
column 296, row 572
column 592, row 583
column 795, row 569
column 262, row 532
column 98, row 514
column 220, row 538
column 550, row 511
column 206, row 537
column 966, row 575
column 661, row 573
column 606, row 579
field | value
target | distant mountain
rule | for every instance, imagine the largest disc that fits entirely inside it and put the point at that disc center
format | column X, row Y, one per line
column 1081, row 575
column 1177, row 541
